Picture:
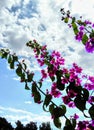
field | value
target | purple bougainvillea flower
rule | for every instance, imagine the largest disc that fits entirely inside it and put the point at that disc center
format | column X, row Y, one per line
column 81, row 28
column 87, row 22
column 76, row 116
column 91, row 99
column 89, row 47
column 93, row 25
column 79, row 36
column 71, row 104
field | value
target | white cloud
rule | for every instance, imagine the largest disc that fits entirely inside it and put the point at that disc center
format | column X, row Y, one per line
column 46, row 27
column 26, row 2
column 28, row 102
column 16, row 78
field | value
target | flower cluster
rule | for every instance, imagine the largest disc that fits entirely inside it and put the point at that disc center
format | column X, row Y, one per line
column 67, row 83
column 83, row 30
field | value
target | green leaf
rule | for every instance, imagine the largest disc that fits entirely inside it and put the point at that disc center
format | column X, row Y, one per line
column 37, row 97
column 23, row 77
column 84, row 39
column 74, row 123
column 35, row 92
column 30, row 77
column 51, row 108
column 57, row 122
column 81, row 23
column 15, row 58
column 4, row 55
column 80, row 103
column 34, row 88
column 58, row 112
column 12, row 65
column 91, row 112
column 47, row 99
column 19, row 71
column 0, row 53
column 68, row 122
column 92, row 35
column 68, row 125
column 72, row 86
column 66, row 20
column 26, row 86
column 67, row 75
column 10, row 59
column 85, row 94
column 73, row 20
column 75, row 28
column 52, row 78
column 60, row 86
column 63, row 108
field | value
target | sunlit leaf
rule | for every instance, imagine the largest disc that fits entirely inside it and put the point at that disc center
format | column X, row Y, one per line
column 66, row 20
column 4, row 55
column 75, row 28
column 73, row 20
column 10, row 59
column 84, row 39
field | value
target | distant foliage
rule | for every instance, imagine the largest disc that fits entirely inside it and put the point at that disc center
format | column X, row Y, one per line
column 45, row 126
column 5, row 125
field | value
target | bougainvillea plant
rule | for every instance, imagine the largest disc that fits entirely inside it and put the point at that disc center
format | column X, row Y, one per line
column 66, row 85
column 83, row 29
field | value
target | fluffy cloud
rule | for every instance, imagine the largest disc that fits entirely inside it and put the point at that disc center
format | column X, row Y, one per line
column 22, row 21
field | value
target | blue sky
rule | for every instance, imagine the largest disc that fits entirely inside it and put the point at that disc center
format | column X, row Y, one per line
column 24, row 20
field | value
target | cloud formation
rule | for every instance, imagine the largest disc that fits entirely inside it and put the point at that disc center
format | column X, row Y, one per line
column 24, row 20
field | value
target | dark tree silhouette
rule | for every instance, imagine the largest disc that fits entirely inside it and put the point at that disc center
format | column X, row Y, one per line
column 31, row 126
column 19, row 125
column 4, row 125
column 45, row 126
